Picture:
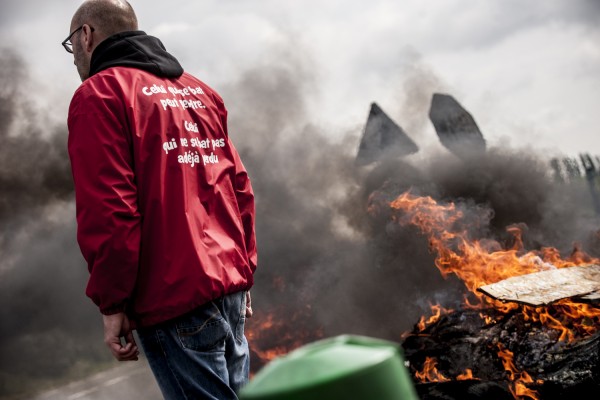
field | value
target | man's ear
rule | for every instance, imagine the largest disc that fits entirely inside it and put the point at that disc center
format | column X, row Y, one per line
column 87, row 38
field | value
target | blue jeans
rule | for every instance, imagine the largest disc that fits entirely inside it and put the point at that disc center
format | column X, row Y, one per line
column 203, row 354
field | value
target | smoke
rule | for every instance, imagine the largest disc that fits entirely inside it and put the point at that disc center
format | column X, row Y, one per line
column 47, row 324
column 358, row 272
column 322, row 255
column 34, row 169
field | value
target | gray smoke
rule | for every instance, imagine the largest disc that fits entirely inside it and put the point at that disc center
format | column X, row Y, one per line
column 321, row 254
column 358, row 272
column 34, row 169
column 48, row 330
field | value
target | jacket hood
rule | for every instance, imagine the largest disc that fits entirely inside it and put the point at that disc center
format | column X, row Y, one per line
column 138, row 50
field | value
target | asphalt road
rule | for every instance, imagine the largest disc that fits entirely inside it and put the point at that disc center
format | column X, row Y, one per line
column 129, row 381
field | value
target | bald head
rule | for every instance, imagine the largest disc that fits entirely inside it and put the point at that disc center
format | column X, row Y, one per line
column 107, row 17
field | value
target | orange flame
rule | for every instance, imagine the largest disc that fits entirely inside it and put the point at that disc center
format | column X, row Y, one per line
column 430, row 372
column 518, row 378
column 271, row 337
column 481, row 262
column 468, row 374
column 437, row 312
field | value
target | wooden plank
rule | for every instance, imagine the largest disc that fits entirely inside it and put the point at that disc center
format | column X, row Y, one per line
column 545, row 287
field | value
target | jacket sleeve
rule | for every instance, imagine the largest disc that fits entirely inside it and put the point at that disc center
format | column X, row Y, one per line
column 245, row 200
column 108, row 219
column 243, row 191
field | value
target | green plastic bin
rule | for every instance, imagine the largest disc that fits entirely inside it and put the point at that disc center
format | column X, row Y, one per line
column 345, row 367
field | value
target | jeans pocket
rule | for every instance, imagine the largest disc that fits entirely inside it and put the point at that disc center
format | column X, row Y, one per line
column 203, row 330
column 241, row 319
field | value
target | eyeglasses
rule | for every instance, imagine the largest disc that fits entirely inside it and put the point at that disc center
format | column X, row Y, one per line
column 67, row 42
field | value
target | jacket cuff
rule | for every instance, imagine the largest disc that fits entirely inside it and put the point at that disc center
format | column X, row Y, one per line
column 114, row 309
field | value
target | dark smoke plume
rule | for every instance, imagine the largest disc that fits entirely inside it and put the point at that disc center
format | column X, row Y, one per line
column 34, row 169
column 322, row 255
column 47, row 324
column 358, row 272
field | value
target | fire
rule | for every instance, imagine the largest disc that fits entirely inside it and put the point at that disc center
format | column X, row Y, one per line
column 481, row 262
column 468, row 374
column 571, row 319
column 430, row 372
column 437, row 312
column 266, row 324
column 519, row 378
column 476, row 263
column 265, row 329
column 484, row 261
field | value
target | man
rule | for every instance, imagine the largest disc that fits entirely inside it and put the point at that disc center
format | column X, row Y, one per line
column 165, row 208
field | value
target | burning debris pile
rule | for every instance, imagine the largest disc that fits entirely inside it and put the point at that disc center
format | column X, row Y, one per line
column 544, row 351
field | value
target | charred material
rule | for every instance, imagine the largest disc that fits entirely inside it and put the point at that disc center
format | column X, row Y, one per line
column 464, row 349
column 382, row 138
column 455, row 126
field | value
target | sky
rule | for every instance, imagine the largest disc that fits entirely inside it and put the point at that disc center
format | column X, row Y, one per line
column 527, row 71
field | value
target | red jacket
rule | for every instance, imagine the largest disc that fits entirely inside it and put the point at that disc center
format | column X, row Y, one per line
column 165, row 208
